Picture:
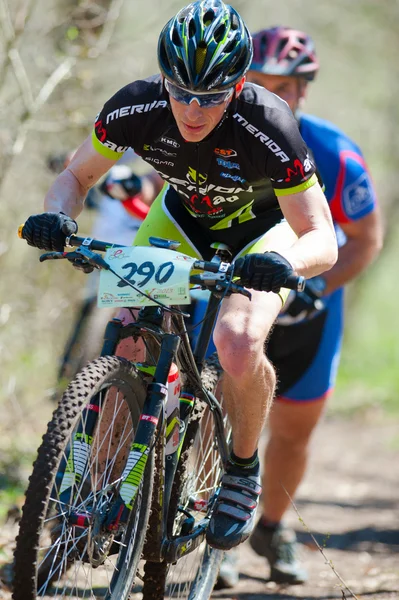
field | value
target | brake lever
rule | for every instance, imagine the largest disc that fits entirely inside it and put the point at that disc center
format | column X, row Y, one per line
column 94, row 259
column 239, row 289
column 54, row 256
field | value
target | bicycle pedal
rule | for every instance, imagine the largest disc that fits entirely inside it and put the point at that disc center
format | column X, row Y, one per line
column 187, row 526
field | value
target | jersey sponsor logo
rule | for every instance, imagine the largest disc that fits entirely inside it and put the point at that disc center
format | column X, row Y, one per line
column 233, row 177
column 226, row 152
column 307, row 164
column 178, row 76
column 114, row 147
column 266, row 140
column 100, row 129
column 158, row 161
column 200, row 204
column 125, row 111
column 203, row 205
column 227, row 164
column 358, row 196
column 149, row 148
column 295, row 172
column 199, row 201
column 169, row 141
column 242, row 215
column 195, row 177
column 220, row 199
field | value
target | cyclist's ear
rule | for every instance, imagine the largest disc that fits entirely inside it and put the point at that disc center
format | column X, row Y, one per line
column 239, row 86
column 302, row 91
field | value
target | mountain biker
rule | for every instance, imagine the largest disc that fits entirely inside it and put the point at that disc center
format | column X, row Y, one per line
column 238, row 173
column 304, row 346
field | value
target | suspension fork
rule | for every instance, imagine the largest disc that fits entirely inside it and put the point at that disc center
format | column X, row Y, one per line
column 145, row 438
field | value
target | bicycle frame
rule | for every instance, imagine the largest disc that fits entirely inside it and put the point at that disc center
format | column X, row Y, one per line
column 172, row 346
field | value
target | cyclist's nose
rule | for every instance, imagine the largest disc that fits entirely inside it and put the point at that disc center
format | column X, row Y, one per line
column 193, row 111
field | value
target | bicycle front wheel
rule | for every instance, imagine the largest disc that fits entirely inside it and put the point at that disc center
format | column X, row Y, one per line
column 64, row 547
column 197, row 477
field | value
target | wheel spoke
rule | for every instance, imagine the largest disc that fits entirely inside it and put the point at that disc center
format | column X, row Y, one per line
column 77, row 555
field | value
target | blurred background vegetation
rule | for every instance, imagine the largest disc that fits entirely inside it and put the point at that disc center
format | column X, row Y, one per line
column 59, row 61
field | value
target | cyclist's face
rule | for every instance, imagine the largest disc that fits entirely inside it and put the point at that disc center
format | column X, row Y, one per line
column 290, row 89
column 195, row 122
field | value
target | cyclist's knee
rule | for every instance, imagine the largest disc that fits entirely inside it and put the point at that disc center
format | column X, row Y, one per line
column 239, row 353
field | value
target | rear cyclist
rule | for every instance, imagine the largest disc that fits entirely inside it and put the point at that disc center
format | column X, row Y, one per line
column 238, row 173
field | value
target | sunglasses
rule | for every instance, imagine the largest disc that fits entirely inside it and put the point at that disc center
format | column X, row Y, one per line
column 205, row 100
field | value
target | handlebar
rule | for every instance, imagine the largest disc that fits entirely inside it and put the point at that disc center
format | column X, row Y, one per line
column 89, row 245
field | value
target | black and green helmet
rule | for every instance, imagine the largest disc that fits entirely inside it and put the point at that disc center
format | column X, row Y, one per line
column 205, row 47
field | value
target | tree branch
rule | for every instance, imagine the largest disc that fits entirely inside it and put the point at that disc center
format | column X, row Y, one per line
column 55, row 78
column 108, row 29
column 22, row 79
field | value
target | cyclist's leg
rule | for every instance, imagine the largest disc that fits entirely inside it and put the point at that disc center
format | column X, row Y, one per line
column 292, row 421
column 240, row 333
column 248, row 388
column 299, row 408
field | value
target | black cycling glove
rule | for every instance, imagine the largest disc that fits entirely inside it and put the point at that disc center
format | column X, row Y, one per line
column 48, row 231
column 266, row 272
column 306, row 302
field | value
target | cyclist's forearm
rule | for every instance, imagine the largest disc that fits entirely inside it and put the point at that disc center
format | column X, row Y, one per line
column 353, row 258
column 313, row 253
column 66, row 195
column 151, row 186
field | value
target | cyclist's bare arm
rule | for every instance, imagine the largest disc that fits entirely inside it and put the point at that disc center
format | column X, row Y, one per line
column 152, row 184
column 308, row 214
column 364, row 240
column 68, row 192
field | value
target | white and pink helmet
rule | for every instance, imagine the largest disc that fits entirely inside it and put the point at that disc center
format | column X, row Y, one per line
column 284, row 51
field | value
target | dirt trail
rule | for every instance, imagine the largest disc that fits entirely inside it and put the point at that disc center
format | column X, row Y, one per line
column 349, row 500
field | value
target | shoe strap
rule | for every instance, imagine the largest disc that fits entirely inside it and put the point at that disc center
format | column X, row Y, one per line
column 237, row 498
column 235, row 512
column 244, row 484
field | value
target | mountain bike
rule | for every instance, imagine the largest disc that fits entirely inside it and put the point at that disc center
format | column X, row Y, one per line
column 131, row 461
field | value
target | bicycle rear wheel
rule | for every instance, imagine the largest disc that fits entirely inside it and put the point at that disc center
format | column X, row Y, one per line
column 63, row 547
column 196, row 480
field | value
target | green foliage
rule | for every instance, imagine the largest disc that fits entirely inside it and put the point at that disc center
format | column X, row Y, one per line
column 369, row 374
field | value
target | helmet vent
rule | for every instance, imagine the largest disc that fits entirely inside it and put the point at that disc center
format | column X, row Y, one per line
column 234, row 22
column 219, row 33
column 176, row 39
column 200, row 55
column 208, row 18
column 230, row 46
column 239, row 65
column 281, row 45
column 191, row 28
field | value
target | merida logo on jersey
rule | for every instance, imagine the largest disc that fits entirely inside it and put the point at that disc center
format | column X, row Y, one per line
column 125, row 111
column 271, row 144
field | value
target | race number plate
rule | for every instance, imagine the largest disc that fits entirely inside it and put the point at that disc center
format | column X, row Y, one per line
column 162, row 274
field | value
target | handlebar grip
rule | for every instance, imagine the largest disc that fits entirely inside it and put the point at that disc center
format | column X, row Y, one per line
column 21, row 231
column 296, row 283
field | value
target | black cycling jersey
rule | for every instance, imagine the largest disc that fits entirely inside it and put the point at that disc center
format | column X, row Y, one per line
column 235, row 174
